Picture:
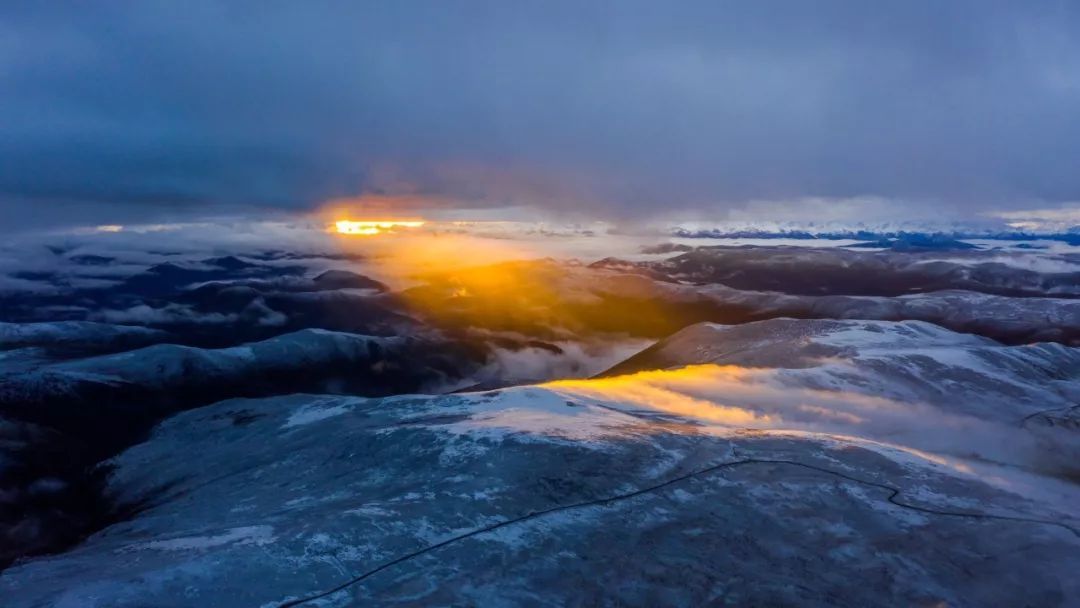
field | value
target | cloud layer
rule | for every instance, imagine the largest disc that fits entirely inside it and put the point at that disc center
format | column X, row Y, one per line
column 629, row 108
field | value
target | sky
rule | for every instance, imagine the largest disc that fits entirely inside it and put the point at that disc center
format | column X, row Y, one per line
column 134, row 111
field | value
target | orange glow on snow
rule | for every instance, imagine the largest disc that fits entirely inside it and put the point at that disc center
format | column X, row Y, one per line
column 687, row 391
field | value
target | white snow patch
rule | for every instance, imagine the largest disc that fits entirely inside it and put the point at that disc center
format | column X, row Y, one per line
column 246, row 535
column 316, row 411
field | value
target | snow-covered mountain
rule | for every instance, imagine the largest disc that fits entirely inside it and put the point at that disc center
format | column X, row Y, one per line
column 550, row 300
column 949, row 384
column 75, row 333
column 834, row 436
column 168, row 367
column 840, row 271
column 59, row 418
column 1065, row 229
column 767, row 474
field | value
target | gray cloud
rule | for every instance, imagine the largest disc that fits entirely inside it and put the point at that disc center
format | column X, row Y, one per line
column 160, row 107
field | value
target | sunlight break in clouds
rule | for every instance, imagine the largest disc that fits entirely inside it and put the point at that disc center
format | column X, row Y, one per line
column 371, row 228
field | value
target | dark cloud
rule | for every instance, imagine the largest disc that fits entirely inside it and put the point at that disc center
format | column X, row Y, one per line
column 631, row 106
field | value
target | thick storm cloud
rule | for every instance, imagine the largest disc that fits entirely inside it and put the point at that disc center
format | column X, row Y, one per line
column 624, row 108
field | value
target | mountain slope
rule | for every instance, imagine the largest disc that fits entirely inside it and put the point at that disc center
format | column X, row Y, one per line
column 58, row 420
column 705, row 484
column 840, row 271
column 307, row 356
column 961, row 383
column 547, row 299
column 75, row 333
column 907, row 360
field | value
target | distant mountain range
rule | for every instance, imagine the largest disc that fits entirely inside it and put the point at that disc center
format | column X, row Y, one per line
column 1071, row 236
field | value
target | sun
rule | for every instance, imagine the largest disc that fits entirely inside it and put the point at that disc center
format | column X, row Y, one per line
column 373, row 227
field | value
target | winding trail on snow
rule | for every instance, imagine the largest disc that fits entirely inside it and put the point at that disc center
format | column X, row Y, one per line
column 893, row 497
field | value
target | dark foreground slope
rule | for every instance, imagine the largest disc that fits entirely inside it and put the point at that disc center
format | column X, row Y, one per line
column 58, row 420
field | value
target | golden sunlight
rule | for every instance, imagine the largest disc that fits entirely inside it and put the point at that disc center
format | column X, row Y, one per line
column 369, row 228
column 697, row 391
